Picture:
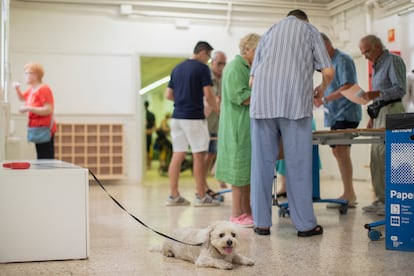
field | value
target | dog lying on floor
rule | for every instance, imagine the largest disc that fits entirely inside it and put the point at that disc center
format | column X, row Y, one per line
column 219, row 241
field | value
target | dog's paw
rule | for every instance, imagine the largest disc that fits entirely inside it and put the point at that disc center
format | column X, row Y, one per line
column 248, row 261
column 243, row 260
column 224, row 265
column 168, row 253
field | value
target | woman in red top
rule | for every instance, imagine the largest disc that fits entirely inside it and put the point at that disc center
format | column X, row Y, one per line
column 38, row 106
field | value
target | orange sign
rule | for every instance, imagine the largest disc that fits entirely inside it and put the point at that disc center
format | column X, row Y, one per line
column 391, row 35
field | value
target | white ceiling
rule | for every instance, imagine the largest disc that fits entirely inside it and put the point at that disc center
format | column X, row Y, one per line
column 224, row 11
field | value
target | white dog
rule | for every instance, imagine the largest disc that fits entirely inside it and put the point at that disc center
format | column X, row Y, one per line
column 219, row 241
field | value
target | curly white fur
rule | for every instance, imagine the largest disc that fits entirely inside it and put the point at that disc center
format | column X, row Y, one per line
column 218, row 249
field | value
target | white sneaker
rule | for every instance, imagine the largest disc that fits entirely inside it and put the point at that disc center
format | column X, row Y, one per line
column 177, row 201
column 206, row 201
column 374, row 207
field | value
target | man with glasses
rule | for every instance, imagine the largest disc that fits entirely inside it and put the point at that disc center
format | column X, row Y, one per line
column 388, row 85
column 218, row 61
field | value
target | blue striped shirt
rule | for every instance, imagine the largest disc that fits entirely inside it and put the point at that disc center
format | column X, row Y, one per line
column 342, row 109
column 389, row 77
column 283, row 67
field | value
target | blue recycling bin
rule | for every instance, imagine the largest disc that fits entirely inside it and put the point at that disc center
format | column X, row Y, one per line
column 399, row 199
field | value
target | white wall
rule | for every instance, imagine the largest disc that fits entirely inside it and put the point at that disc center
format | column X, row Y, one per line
column 36, row 32
column 61, row 31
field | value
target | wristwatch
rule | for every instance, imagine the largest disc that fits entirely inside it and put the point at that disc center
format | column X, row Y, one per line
column 323, row 100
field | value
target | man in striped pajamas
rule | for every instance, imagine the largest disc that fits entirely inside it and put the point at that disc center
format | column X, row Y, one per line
column 281, row 108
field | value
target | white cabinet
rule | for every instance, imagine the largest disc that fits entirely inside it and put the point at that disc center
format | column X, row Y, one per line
column 44, row 212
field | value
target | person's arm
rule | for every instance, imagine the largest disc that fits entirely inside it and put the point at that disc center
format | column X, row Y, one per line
column 169, row 94
column 44, row 110
column 211, row 98
column 370, row 95
column 16, row 86
column 337, row 94
column 333, row 96
column 327, row 77
column 237, row 83
column 397, row 76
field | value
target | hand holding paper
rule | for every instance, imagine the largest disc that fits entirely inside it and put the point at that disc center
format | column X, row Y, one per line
column 355, row 94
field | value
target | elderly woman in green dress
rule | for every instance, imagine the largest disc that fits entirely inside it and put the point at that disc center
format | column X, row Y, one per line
column 234, row 150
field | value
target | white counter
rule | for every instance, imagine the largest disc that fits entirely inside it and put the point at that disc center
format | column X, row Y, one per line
column 44, row 212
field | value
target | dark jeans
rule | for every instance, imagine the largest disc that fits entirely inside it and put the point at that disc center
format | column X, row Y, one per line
column 46, row 150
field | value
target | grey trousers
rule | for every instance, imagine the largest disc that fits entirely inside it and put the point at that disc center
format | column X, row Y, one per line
column 377, row 163
column 297, row 145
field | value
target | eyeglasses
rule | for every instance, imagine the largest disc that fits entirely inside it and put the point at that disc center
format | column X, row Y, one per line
column 29, row 73
column 221, row 63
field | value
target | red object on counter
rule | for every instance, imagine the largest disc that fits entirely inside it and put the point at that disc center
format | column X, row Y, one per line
column 17, row 165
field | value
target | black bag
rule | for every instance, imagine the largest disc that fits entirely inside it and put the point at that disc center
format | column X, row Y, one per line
column 374, row 108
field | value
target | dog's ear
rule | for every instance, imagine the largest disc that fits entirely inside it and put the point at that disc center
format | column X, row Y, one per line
column 213, row 226
column 210, row 229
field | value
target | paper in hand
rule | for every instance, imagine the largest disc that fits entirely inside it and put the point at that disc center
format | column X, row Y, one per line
column 354, row 94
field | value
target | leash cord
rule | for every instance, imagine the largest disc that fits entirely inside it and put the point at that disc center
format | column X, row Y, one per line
column 134, row 217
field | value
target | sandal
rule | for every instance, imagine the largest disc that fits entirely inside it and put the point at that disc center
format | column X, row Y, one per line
column 318, row 230
column 215, row 195
column 211, row 193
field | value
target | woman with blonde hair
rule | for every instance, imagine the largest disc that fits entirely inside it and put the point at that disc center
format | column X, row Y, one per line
column 39, row 106
column 234, row 150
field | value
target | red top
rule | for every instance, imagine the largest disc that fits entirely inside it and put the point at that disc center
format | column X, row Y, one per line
column 39, row 98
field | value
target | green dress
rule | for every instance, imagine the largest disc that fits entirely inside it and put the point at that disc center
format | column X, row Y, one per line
column 234, row 148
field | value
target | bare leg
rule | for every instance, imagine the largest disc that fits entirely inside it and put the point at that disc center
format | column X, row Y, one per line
column 343, row 158
column 200, row 173
column 209, row 157
column 282, row 183
column 174, row 172
column 148, row 161
column 236, row 193
column 241, row 201
column 209, row 162
column 245, row 200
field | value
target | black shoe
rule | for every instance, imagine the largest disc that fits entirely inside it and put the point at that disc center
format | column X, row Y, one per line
column 318, row 230
column 261, row 231
column 281, row 195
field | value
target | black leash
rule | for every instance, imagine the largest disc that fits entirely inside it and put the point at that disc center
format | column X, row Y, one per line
column 137, row 219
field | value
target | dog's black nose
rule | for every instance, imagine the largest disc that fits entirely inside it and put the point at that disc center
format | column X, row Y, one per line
column 229, row 242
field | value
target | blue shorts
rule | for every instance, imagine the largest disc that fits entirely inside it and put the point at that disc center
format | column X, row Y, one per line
column 343, row 125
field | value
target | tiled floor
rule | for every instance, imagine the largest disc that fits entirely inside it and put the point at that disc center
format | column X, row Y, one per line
column 120, row 246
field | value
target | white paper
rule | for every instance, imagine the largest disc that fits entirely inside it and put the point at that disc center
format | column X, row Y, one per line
column 354, row 94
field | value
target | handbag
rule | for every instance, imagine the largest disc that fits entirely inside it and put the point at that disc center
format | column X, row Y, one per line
column 39, row 135
column 374, row 108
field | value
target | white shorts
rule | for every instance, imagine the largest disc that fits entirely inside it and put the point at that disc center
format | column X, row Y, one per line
column 193, row 133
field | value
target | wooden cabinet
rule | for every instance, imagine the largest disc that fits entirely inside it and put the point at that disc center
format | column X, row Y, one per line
column 98, row 147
